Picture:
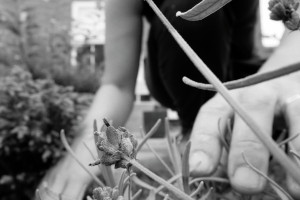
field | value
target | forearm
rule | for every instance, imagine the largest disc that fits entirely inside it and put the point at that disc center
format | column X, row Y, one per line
column 110, row 102
column 288, row 51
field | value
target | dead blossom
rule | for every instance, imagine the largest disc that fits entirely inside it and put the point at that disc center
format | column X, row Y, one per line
column 285, row 10
column 107, row 193
column 116, row 144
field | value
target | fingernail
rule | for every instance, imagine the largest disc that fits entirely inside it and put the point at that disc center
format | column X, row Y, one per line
column 200, row 163
column 247, row 179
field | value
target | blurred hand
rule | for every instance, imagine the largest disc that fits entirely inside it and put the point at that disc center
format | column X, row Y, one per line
column 262, row 102
column 68, row 180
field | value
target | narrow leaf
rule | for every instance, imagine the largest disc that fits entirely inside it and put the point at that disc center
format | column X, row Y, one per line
column 202, row 9
column 160, row 160
column 198, row 190
column 173, row 151
column 186, row 168
column 71, row 152
column 206, row 196
column 284, row 195
column 149, row 134
column 171, row 180
column 37, row 195
column 137, row 194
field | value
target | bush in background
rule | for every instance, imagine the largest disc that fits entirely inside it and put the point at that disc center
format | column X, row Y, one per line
column 32, row 113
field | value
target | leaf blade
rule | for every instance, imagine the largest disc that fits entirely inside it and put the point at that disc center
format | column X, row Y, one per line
column 202, row 10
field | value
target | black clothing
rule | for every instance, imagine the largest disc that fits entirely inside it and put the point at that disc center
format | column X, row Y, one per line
column 224, row 41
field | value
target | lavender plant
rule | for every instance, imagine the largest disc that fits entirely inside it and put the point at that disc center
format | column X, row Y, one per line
column 120, row 147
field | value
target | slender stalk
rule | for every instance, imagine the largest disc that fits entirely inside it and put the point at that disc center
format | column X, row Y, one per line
column 186, row 168
column 171, row 180
column 199, row 188
column 137, row 194
column 279, row 190
column 169, row 186
column 37, row 195
column 71, row 152
column 148, row 135
column 145, row 185
column 160, row 159
column 210, row 178
column 166, row 197
column 247, row 81
column 207, row 194
column 174, row 152
column 277, row 153
column 288, row 140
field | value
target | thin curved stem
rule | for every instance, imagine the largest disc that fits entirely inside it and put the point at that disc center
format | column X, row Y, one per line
column 71, row 152
column 180, row 194
column 210, row 178
column 148, row 135
column 247, row 81
column 279, row 190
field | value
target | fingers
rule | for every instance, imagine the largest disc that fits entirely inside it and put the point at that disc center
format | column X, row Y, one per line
column 67, row 178
column 292, row 116
column 260, row 105
column 205, row 143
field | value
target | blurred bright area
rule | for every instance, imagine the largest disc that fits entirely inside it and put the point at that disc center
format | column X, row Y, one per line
column 271, row 31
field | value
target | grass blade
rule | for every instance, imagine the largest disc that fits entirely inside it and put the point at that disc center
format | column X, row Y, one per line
column 148, row 135
column 186, row 168
column 279, row 190
column 174, row 152
column 202, row 9
column 71, row 152
column 171, row 180
column 180, row 194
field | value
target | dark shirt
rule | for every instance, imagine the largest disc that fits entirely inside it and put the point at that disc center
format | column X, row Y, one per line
column 224, row 41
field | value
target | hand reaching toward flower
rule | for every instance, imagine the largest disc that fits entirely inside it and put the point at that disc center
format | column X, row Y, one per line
column 262, row 102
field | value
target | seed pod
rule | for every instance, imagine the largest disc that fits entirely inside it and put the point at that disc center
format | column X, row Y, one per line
column 97, row 193
column 272, row 3
column 111, row 134
column 97, row 162
column 294, row 22
column 110, row 159
column 126, row 146
column 122, row 164
column 108, row 190
column 106, row 147
column 115, row 193
column 133, row 141
column 278, row 12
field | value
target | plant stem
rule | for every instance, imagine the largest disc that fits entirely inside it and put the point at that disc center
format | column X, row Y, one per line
column 180, row 194
column 278, row 154
column 247, row 81
column 72, row 153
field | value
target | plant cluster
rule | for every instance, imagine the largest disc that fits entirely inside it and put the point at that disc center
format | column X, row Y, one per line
column 32, row 112
column 113, row 150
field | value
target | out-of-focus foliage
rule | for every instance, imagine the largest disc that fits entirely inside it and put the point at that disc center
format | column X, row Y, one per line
column 32, row 112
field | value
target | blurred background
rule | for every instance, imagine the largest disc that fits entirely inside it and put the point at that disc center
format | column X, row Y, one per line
column 51, row 64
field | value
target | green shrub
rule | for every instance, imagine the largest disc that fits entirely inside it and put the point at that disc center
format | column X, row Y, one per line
column 32, row 113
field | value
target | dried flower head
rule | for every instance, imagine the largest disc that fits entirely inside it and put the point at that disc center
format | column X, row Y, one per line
column 115, row 144
column 285, row 10
column 107, row 193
